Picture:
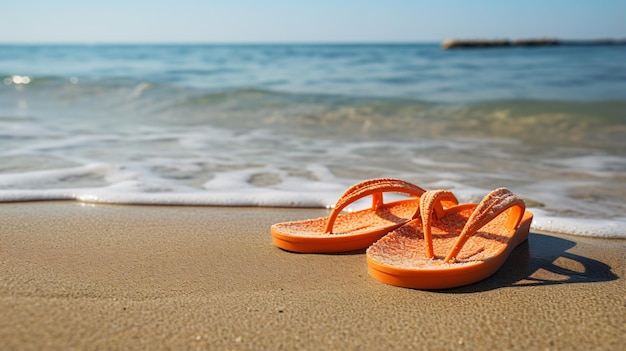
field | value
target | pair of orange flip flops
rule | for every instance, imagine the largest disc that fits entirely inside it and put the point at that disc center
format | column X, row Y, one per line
column 427, row 241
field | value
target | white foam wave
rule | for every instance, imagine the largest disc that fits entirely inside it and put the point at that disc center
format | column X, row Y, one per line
column 124, row 186
column 614, row 228
column 220, row 167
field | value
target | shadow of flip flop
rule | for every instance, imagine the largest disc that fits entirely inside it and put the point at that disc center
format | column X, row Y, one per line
column 543, row 260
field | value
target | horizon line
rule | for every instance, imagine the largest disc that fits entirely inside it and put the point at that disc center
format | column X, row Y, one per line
column 321, row 42
column 291, row 42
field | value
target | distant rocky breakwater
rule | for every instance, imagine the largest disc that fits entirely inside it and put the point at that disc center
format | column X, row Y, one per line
column 487, row 43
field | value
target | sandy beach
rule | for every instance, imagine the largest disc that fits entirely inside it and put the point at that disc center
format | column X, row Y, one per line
column 81, row 276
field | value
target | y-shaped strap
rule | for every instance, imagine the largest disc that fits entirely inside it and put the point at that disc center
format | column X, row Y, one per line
column 431, row 202
column 491, row 207
column 376, row 188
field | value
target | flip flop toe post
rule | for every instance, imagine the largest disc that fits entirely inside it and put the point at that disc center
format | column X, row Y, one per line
column 453, row 247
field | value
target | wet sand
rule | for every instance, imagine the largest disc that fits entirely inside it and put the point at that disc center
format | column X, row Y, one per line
column 85, row 276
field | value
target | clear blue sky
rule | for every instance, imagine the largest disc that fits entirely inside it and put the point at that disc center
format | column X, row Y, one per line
column 84, row 21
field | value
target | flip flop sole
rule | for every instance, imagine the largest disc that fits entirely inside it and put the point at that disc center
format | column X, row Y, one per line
column 365, row 227
column 453, row 274
column 328, row 244
column 351, row 231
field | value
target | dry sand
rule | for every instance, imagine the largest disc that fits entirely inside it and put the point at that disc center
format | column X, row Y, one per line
column 135, row 277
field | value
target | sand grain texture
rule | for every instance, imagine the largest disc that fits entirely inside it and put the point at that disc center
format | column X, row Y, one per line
column 137, row 277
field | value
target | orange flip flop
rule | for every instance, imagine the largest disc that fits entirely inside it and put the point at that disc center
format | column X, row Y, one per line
column 451, row 247
column 340, row 232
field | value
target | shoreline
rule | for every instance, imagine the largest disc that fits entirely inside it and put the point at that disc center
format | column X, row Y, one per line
column 76, row 275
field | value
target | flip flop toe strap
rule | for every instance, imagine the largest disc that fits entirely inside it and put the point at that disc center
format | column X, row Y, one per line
column 430, row 203
column 494, row 204
column 376, row 188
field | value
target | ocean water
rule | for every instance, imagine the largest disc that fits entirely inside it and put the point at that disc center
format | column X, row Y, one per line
column 295, row 125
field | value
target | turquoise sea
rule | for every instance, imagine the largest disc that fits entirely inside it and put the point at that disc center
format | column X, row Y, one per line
column 295, row 125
